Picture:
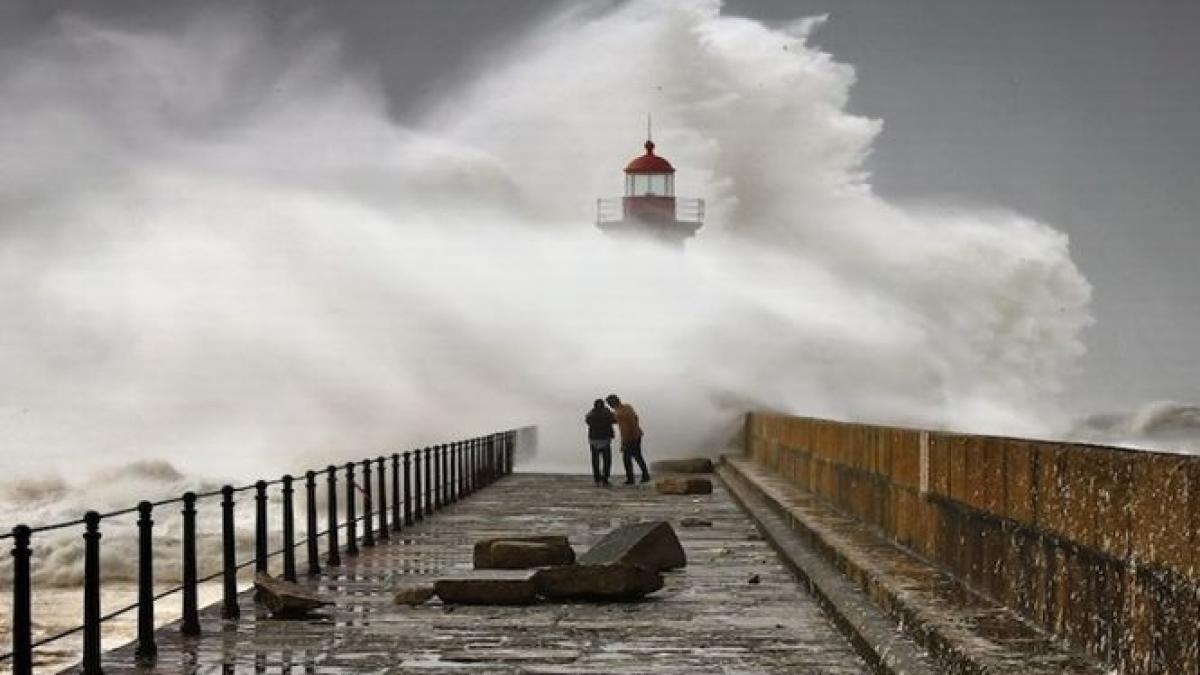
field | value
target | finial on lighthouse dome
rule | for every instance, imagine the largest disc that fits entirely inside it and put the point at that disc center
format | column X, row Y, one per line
column 649, row 162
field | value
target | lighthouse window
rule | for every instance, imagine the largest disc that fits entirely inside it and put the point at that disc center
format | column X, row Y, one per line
column 654, row 184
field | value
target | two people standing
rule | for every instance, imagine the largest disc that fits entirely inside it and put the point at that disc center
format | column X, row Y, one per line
column 600, row 420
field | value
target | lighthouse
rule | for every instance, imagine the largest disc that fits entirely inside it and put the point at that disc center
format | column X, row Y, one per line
column 650, row 209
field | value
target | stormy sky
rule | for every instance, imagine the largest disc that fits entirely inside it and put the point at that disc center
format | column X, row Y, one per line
column 1079, row 113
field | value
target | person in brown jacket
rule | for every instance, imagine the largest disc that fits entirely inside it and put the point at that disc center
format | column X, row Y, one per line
column 631, row 437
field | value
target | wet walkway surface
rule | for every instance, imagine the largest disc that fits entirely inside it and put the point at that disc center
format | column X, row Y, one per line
column 708, row 618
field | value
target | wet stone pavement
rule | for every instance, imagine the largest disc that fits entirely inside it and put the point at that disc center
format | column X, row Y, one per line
column 708, row 618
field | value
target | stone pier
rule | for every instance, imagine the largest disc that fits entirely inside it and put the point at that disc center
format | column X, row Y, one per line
column 735, row 608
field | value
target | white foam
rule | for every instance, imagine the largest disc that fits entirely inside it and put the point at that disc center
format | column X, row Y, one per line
column 218, row 250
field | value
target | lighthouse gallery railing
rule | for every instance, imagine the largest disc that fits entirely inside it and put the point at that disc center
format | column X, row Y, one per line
column 612, row 210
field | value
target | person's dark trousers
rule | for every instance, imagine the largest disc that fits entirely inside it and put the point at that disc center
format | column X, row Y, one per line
column 630, row 453
column 601, row 463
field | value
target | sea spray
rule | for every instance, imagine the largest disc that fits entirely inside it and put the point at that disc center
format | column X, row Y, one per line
column 217, row 249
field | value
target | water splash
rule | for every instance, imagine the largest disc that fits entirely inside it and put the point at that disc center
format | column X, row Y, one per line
column 218, row 248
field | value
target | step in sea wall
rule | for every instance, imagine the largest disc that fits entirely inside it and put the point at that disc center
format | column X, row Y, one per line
column 1096, row 544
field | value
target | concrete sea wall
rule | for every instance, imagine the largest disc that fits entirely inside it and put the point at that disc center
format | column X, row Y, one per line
column 1094, row 543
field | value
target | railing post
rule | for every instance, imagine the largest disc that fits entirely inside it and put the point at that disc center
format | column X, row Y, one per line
column 396, row 517
column 311, row 551
column 351, row 515
column 485, row 475
column 510, row 449
column 289, row 531
column 146, row 650
column 493, row 465
column 436, row 484
column 381, row 471
column 455, row 471
column 466, row 462
column 260, row 527
column 408, row 493
column 91, row 593
column 497, row 452
column 428, row 481
column 229, row 603
column 334, row 557
column 310, row 541
column 452, row 482
column 502, row 444
column 487, row 461
column 464, row 469
column 368, row 506
column 445, row 475
column 22, row 597
column 473, row 451
column 485, row 464
column 494, row 444
column 419, row 501
column 191, row 616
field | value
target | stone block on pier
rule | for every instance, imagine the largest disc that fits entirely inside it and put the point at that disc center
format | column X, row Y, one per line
column 523, row 552
column 597, row 582
column 693, row 465
column 492, row 588
column 652, row 545
column 286, row 600
column 684, row 486
column 413, row 594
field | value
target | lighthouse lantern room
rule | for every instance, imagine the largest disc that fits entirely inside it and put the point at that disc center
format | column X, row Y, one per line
column 649, row 208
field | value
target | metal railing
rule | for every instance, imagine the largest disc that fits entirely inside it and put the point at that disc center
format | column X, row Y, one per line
column 609, row 211
column 612, row 210
column 422, row 481
column 689, row 210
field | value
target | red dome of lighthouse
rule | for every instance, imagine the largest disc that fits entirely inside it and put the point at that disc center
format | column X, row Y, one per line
column 649, row 162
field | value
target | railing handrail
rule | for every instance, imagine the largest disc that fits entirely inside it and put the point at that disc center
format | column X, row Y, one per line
column 132, row 509
column 451, row 470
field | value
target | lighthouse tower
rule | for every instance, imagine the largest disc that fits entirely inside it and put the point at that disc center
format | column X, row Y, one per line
column 650, row 208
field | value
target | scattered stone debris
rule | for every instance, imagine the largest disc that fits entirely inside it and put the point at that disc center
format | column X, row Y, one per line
column 523, row 552
column 651, row 544
column 286, row 600
column 493, row 589
column 625, row 565
column 695, row 522
column 694, row 465
column 679, row 485
column 514, row 555
column 754, row 579
column 414, row 594
column 597, row 582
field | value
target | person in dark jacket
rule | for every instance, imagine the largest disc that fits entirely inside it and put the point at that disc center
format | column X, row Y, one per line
column 600, row 421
